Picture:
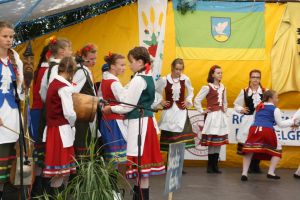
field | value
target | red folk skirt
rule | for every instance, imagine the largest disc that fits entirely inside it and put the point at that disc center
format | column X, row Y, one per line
column 262, row 141
column 58, row 160
column 151, row 160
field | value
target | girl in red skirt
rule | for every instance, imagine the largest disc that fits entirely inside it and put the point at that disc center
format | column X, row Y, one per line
column 59, row 134
column 262, row 140
column 141, row 91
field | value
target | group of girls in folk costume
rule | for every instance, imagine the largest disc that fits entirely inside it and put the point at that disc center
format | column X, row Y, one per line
column 141, row 91
column 174, row 123
column 83, row 83
column 245, row 104
column 11, row 80
column 215, row 130
column 112, row 127
column 54, row 117
column 262, row 141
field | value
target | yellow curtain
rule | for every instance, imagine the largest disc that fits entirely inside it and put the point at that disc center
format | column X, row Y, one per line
column 284, row 55
column 117, row 31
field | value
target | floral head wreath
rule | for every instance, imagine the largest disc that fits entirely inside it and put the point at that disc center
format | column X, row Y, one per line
column 50, row 41
column 88, row 48
column 110, row 54
column 53, row 40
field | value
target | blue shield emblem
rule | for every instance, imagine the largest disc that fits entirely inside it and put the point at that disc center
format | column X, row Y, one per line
column 221, row 28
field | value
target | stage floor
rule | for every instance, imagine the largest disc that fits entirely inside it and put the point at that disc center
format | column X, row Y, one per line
column 198, row 185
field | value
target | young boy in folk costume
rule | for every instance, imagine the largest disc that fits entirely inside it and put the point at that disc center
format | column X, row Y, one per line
column 215, row 130
column 262, row 140
column 112, row 128
column 83, row 83
column 174, row 124
column 141, row 91
column 245, row 104
column 59, row 134
column 11, row 79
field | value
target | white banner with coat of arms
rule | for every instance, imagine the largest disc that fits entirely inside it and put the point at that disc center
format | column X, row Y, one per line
column 152, row 20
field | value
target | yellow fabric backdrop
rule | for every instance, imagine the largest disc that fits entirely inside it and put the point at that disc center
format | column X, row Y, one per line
column 117, row 31
column 284, row 55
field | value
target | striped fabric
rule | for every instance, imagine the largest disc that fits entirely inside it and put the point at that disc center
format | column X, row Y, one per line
column 213, row 140
column 168, row 137
column 7, row 155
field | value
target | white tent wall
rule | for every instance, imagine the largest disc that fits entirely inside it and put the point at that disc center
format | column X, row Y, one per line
column 13, row 11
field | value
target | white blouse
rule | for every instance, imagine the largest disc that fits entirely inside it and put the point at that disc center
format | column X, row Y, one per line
column 80, row 78
column 67, row 134
column 9, row 116
column 239, row 102
column 162, row 83
column 45, row 83
column 132, row 94
column 278, row 118
column 116, row 87
column 203, row 93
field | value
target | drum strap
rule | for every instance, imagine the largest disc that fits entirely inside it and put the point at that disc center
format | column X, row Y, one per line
column 88, row 79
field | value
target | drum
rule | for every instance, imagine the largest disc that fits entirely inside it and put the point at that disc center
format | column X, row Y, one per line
column 15, row 176
column 85, row 107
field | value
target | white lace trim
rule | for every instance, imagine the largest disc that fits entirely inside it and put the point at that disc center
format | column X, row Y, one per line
column 255, row 96
column 175, row 86
column 220, row 91
column 6, row 79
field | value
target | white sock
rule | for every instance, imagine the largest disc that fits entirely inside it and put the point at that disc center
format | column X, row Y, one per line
column 211, row 149
column 56, row 181
column 274, row 161
column 298, row 171
column 246, row 163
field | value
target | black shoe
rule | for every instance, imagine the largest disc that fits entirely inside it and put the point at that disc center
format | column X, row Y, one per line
column 215, row 166
column 184, row 172
column 273, row 177
column 254, row 167
column 136, row 193
column 244, row 178
column 145, row 193
column 37, row 189
column 297, row 176
column 209, row 168
column 46, row 185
